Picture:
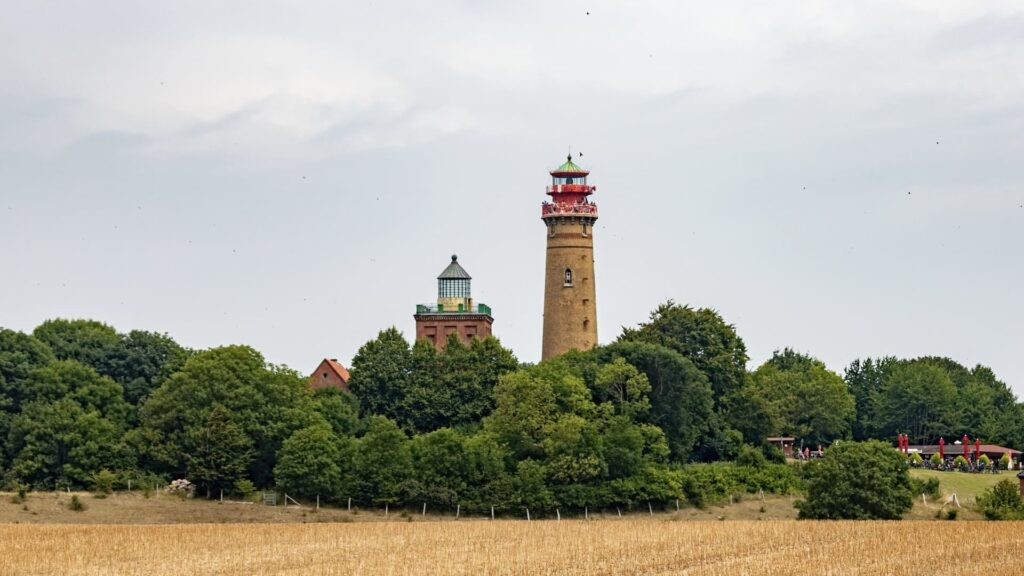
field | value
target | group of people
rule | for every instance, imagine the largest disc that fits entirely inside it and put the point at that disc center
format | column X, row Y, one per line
column 969, row 464
column 583, row 207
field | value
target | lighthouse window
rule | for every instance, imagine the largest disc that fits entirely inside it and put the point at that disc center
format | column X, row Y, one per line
column 568, row 277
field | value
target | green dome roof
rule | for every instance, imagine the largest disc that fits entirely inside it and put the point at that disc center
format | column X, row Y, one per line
column 569, row 168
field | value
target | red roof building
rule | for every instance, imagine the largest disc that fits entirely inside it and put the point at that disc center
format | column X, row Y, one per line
column 329, row 374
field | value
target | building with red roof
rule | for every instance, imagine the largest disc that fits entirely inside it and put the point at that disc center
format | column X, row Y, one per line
column 329, row 374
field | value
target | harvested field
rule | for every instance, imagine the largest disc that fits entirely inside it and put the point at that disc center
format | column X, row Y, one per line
column 633, row 546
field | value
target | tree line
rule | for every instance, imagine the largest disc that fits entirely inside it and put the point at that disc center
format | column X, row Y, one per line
column 470, row 426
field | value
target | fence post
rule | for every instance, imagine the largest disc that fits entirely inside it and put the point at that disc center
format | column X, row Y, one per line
column 129, row 486
column 649, row 509
column 586, row 513
column 385, row 509
column 424, row 509
column 492, row 512
column 458, row 508
column 350, row 504
column 677, row 504
column 317, row 501
column 221, row 494
column 285, row 499
column 559, row 514
column 619, row 512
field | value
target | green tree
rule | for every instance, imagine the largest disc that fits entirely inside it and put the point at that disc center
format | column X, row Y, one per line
column 865, row 380
column 87, row 341
column 218, row 451
column 700, row 335
column 441, row 468
column 804, row 398
column 751, row 414
column 531, row 487
column 307, row 465
column 423, row 389
column 487, row 480
column 381, row 463
column 680, row 395
column 526, row 405
column 141, row 361
column 380, row 374
column 61, row 444
column 81, row 383
column 858, row 481
column 19, row 354
column 626, row 387
column 338, row 408
column 268, row 402
column 918, row 398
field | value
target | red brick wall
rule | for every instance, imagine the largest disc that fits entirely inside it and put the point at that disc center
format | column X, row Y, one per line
column 436, row 328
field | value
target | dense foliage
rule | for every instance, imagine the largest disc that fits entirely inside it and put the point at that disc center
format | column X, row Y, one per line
column 929, row 398
column 1002, row 502
column 857, row 481
column 651, row 418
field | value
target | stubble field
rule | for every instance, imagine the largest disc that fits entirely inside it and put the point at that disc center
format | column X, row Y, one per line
column 575, row 547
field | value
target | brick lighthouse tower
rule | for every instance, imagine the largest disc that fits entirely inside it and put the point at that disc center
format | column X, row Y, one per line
column 570, row 305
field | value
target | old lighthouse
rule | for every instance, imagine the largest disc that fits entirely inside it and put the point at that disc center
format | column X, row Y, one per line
column 570, row 304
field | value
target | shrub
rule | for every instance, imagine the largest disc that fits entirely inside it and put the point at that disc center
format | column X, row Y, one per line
column 103, row 482
column 929, row 487
column 19, row 498
column 1004, row 461
column 916, row 459
column 76, row 504
column 1002, row 502
column 857, row 480
column 750, row 456
column 935, row 460
column 774, row 454
column 984, row 460
column 960, row 463
column 704, row 484
column 245, row 488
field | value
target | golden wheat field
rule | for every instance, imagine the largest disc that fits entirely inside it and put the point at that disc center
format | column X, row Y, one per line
column 516, row 547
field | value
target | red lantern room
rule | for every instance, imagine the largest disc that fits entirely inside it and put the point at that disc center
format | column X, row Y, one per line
column 569, row 192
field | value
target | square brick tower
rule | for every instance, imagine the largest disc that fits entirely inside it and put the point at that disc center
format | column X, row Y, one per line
column 455, row 311
column 570, row 304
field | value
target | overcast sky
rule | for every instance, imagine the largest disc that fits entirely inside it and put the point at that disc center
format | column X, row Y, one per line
column 843, row 178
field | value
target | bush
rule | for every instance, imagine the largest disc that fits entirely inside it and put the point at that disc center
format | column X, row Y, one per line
column 750, row 456
column 245, row 488
column 916, row 459
column 951, row 514
column 857, row 480
column 76, row 504
column 1002, row 502
column 774, row 454
column 935, row 460
column 1004, row 461
column 704, row 484
column 103, row 482
column 929, row 487
column 960, row 463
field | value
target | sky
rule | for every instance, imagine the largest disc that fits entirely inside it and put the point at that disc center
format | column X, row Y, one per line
column 841, row 178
